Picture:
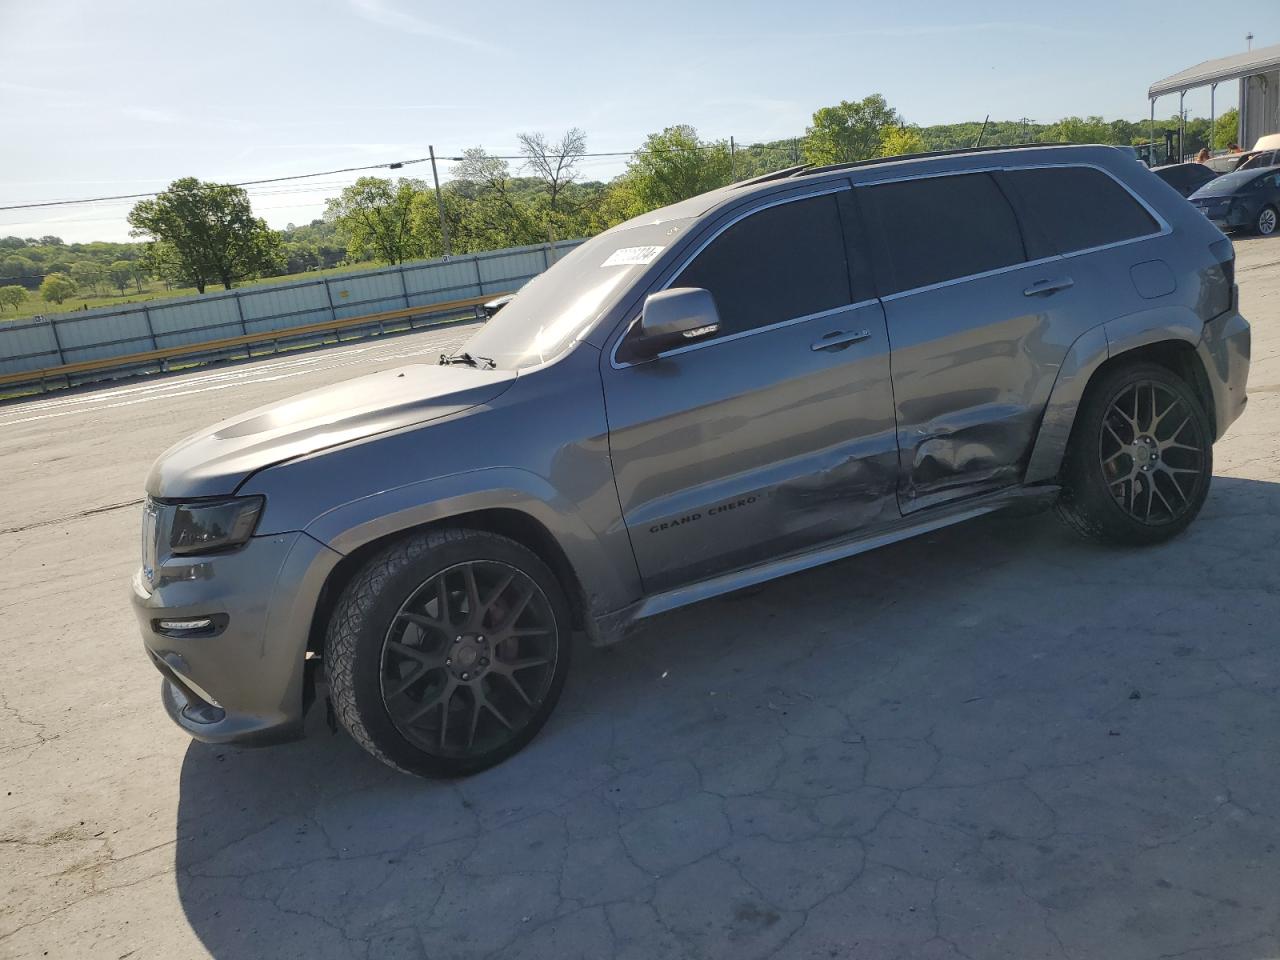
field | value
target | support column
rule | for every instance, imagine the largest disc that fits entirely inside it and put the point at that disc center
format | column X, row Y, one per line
column 1151, row 149
column 1213, row 88
column 1182, row 124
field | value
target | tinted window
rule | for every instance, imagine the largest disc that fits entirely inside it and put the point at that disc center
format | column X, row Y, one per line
column 942, row 228
column 784, row 262
column 1230, row 183
column 1078, row 207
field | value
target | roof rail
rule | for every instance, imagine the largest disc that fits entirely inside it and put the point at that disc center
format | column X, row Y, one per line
column 875, row 161
column 766, row 177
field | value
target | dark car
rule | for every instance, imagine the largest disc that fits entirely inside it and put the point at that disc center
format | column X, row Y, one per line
column 1186, row 178
column 1244, row 200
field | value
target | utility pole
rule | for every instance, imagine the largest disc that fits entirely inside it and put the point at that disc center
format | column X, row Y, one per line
column 733, row 159
column 444, row 224
column 1248, row 40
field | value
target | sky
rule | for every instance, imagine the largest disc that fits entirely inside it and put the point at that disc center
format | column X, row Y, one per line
column 124, row 97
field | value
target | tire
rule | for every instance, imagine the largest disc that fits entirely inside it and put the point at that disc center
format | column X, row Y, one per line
column 1131, row 487
column 408, row 683
column 1267, row 221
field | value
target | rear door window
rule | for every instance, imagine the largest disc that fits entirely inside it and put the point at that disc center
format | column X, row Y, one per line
column 781, row 263
column 936, row 229
column 1079, row 208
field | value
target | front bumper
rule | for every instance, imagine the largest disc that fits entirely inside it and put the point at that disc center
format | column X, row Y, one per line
column 1224, row 350
column 242, row 681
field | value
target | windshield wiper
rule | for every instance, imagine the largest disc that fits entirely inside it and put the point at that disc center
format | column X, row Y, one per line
column 468, row 359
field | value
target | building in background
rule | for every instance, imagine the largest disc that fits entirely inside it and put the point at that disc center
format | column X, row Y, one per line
column 1259, row 74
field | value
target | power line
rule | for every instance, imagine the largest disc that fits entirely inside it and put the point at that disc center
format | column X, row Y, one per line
column 393, row 165
column 244, row 183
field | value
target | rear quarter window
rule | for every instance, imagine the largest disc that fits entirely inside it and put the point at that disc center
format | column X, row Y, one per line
column 1078, row 208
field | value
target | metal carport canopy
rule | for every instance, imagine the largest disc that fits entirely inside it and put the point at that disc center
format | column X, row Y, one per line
column 1233, row 67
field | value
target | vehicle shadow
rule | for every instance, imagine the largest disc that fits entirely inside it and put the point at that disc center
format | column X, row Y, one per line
column 1000, row 634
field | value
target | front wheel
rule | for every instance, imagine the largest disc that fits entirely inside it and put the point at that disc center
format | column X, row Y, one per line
column 1140, row 458
column 1266, row 223
column 447, row 652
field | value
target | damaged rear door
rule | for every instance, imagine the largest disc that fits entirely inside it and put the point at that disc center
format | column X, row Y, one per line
column 980, row 315
column 776, row 434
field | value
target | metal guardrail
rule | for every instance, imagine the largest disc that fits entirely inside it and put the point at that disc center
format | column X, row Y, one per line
column 216, row 349
column 68, row 346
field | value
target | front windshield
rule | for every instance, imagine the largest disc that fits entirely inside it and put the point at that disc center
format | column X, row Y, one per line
column 559, row 306
column 1228, row 183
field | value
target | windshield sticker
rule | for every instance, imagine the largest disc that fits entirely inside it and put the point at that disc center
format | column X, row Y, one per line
column 631, row 255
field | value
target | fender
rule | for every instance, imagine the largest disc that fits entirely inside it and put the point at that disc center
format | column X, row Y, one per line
column 603, row 563
column 1083, row 358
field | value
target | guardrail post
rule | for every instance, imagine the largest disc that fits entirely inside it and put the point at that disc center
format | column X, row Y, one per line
column 235, row 295
column 404, row 287
column 151, row 330
column 328, row 294
column 57, row 343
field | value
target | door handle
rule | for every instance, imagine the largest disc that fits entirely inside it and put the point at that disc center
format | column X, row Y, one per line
column 1042, row 288
column 839, row 338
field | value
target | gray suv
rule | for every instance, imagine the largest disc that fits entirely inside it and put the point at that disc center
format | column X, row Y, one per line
column 749, row 383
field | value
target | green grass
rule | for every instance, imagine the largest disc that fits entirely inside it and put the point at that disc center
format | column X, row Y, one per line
column 154, row 290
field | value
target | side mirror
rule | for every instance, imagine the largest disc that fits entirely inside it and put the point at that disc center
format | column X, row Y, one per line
column 678, row 315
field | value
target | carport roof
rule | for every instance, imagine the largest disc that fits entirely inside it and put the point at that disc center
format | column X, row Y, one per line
column 1217, row 71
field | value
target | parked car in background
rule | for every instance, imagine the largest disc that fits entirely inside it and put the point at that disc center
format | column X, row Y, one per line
column 1243, row 200
column 749, row 383
column 1186, row 178
column 1258, row 159
column 1225, row 163
column 491, row 307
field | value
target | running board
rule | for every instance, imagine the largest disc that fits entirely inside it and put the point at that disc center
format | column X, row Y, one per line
column 816, row 557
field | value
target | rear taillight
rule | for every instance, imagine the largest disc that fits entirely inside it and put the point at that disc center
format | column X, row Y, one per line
column 1220, row 280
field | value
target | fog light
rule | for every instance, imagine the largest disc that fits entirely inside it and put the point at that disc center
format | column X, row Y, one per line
column 204, row 623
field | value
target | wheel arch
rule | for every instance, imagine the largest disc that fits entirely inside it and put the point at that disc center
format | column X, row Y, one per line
column 516, row 524
column 1171, row 345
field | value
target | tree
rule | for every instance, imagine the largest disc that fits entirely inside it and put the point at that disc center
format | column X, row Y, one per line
column 671, row 166
column 376, row 215
column 57, row 287
column 484, row 208
column 1226, row 129
column 138, row 270
column 849, row 131
column 12, row 296
column 556, row 165
column 899, row 140
column 121, row 275
column 17, row 266
column 205, row 232
column 88, row 275
column 1081, row 130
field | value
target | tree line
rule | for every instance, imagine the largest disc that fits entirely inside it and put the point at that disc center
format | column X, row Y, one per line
column 199, row 234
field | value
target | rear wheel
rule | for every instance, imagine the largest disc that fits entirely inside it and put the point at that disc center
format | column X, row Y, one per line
column 1140, row 459
column 447, row 652
column 1267, row 220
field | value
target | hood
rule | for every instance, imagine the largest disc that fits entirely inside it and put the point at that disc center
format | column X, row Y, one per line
column 216, row 461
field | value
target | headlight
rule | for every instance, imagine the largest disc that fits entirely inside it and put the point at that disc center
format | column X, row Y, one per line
column 206, row 526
